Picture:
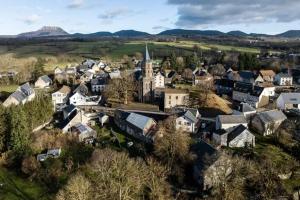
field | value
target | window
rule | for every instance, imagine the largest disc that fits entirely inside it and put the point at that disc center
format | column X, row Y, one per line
column 169, row 102
column 176, row 97
column 179, row 122
column 169, row 97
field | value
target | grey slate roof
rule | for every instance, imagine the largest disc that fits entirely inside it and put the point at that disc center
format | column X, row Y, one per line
column 272, row 116
column 236, row 132
column 46, row 79
column 19, row 96
column 188, row 114
column 232, row 119
column 137, row 120
column 82, row 89
column 70, row 108
column 282, row 75
column 99, row 81
column 291, row 98
column 245, row 107
column 25, row 88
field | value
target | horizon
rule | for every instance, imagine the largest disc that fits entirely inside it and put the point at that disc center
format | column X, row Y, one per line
column 90, row 16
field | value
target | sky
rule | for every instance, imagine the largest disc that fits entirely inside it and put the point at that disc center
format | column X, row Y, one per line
column 153, row 16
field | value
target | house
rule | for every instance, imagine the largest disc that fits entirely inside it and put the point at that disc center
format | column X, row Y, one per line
column 22, row 95
column 61, row 97
column 188, row 119
column 209, row 165
column 170, row 76
column 238, row 137
column 232, row 75
column 57, row 71
column 224, row 86
column 175, row 97
column 203, row 78
column 267, row 75
column 103, row 118
column 136, row 125
column 79, row 99
column 244, row 109
column 43, row 82
column 287, row 101
column 84, row 133
column 256, row 96
column 98, row 84
column 81, row 88
column 247, row 76
column 283, row 79
column 71, row 71
column 158, row 80
column 267, row 122
column 229, row 121
column 87, row 76
column 78, row 116
column 115, row 74
column 53, row 153
column 68, row 110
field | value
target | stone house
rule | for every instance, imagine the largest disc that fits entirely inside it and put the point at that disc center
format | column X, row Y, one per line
column 267, row 122
column 22, row 95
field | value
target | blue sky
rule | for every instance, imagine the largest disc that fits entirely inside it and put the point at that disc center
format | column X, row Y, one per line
column 153, row 16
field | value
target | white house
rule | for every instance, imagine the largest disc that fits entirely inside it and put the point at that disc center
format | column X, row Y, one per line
column 78, row 116
column 103, row 118
column 23, row 94
column 244, row 109
column 239, row 136
column 61, row 96
column 159, row 80
column 283, row 79
column 188, row 120
column 79, row 99
column 43, row 82
column 229, row 121
column 288, row 101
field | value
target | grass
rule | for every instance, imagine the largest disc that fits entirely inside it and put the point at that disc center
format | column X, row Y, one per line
column 8, row 88
column 15, row 188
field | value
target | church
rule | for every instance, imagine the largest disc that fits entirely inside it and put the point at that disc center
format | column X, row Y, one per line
column 146, row 86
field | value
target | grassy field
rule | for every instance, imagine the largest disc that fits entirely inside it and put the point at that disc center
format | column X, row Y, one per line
column 8, row 88
column 16, row 188
column 62, row 53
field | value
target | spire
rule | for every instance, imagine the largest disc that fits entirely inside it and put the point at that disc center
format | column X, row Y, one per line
column 147, row 56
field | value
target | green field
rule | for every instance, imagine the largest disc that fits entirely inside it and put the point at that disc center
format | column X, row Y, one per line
column 16, row 188
column 8, row 88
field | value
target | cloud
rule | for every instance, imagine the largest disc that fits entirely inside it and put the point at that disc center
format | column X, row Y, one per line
column 199, row 13
column 115, row 13
column 31, row 19
column 76, row 4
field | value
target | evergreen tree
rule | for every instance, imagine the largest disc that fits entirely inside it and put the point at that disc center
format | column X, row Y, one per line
column 19, row 130
column 38, row 69
column 3, row 129
column 173, row 61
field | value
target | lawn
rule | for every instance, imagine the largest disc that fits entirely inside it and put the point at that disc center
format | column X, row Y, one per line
column 15, row 188
column 8, row 88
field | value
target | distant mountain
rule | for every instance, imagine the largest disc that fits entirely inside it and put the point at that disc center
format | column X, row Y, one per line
column 94, row 35
column 184, row 32
column 45, row 31
column 130, row 33
column 290, row 34
column 237, row 33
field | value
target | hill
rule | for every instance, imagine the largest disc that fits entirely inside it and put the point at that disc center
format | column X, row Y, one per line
column 237, row 33
column 184, row 32
column 130, row 33
column 290, row 34
column 45, row 31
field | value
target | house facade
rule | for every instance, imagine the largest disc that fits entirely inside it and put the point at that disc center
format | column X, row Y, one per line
column 287, row 101
column 159, row 80
column 79, row 99
column 229, row 121
column 61, row 96
column 188, row 120
column 22, row 95
column 175, row 97
column 283, row 79
column 266, row 123
column 43, row 82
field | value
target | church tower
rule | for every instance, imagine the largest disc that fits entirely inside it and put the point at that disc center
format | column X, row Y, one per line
column 146, row 81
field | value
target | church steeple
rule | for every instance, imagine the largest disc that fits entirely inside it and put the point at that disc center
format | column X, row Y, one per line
column 147, row 56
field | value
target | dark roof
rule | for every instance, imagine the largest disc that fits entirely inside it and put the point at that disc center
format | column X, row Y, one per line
column 206, row 154
column 220, row 131
column 225, row 83
column 171, row 74
column 188, row 114
column 248, row 88
column 247, row 75
column 82, row 89
column 245, row 107
column 138, row 121
column 282, row 75
column 69, row 108
column 232, row 119
column 272, row 116
column 236, row 132
column 99, row 81
column 67, row 121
